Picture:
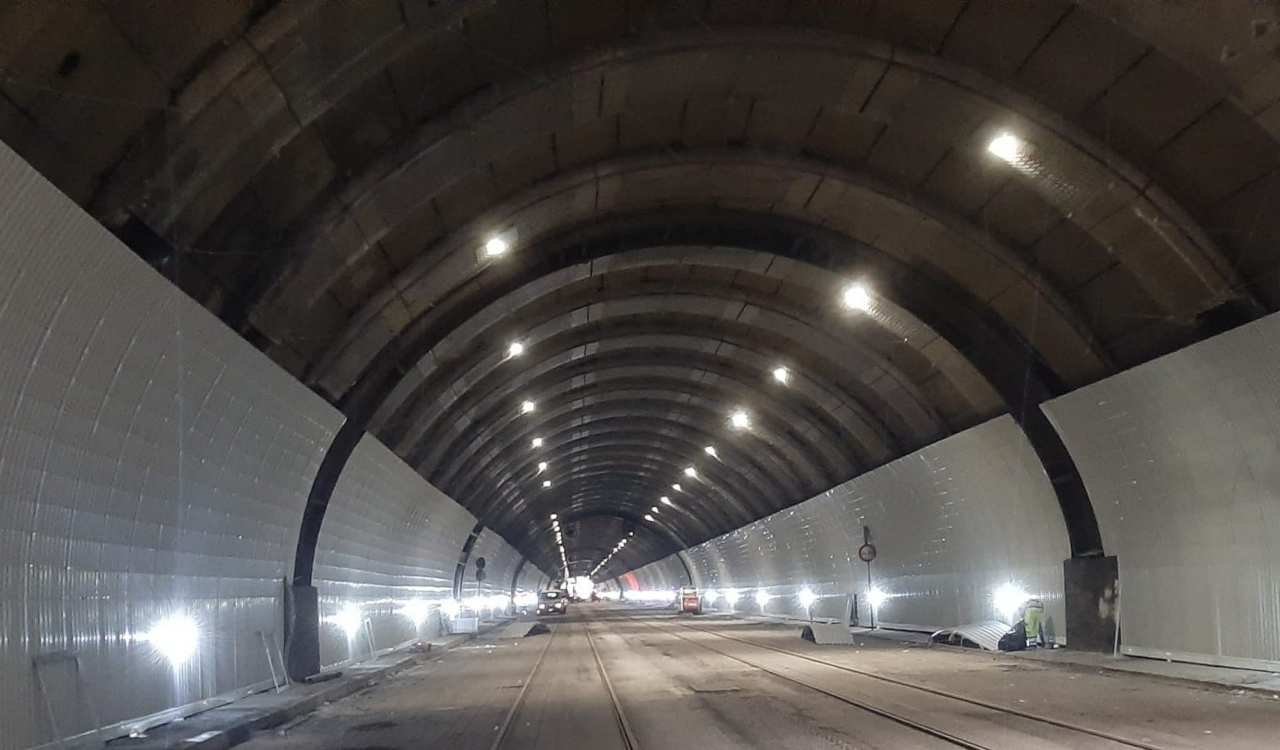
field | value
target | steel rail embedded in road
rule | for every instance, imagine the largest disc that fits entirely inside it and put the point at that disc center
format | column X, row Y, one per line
column 928, row 729
column 624, row 727
column 524, row 689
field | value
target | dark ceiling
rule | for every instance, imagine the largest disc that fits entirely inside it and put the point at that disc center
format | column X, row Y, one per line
column 1033, row 195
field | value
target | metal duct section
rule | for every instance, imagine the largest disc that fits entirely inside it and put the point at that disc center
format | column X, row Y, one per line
column 953, row 524
column 1180, row 456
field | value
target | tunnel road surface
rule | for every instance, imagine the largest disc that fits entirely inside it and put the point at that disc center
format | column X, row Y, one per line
column 610, row 676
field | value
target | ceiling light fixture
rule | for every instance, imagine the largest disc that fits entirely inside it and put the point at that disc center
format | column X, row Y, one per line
column 782, row 375
column 542, row 466
column 536, row 442
column 546, row 483
column 677, row 487
column 554, row 517
column 648, row 517
column 1007, row 147
column 654, row 509
column 740, row 420
column 710, row 450
column 856, row 297
column 515, row 350
column 665, row 500
column 527, row 407
column 496, row 246
column 691, row 472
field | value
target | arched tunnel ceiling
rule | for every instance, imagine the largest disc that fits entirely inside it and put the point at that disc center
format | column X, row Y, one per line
column 687, row 188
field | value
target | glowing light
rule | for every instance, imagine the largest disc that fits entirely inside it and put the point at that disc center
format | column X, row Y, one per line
column 349, row 619
column 856, row 297
column 807, row 597
column 175, row 637
column 654, row 509
column 536, row 442
column 1007, row 147
column 710, row 450
column 731, row 596
column 526, row 599
column 515, row 350
column 1008, row 598
column 542, row 466
column 546, row 483
column 876, row 597
column 677, row 487
column 740, row 420
column 782, row 375
column 496, row 246
column 451, row 608
column 762, row 599
column 665, row 500
column 554, row 517
column 416, row 611
column 648, row 517
column 691, row 472
column 710, row 595
column 527, row 407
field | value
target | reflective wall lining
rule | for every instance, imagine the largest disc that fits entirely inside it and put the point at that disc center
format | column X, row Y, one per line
column 151, row 464
column 951, row 523
column 154, row 464
column 1180, row 456
column 386, row 555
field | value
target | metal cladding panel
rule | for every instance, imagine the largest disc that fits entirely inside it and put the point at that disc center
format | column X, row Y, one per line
column 388, row 550
column 663, row 575
column 951, row 523
column 151, row 464
column 1180, row 457
column 500, row 559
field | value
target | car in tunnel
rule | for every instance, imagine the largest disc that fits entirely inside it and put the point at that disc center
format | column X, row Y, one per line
column 553, row 602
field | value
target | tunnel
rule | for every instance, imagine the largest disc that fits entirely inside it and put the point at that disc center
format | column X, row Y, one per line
column 639, row 373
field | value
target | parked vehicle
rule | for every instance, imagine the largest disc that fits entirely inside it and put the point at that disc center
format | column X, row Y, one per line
column 690, row 601
column 553, row 602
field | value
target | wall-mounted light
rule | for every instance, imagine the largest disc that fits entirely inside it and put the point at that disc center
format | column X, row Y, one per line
column 175, row 637
column 807, row 597
column 762, row 599
column 349, row 619
column 1008, row 598
column 876, row 597
column 416, row 611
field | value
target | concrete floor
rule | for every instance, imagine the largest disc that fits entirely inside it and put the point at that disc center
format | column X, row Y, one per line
column 715, row 682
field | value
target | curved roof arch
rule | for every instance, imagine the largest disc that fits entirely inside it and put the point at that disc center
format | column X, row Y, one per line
column 686, row 187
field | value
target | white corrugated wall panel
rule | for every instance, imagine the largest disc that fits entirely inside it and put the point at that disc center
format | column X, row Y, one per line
column 389, row 538
column 1181, row 457
column 151, row 462
column 951, row 522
